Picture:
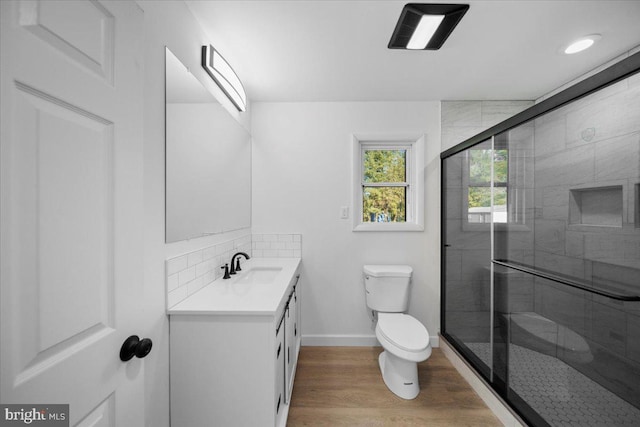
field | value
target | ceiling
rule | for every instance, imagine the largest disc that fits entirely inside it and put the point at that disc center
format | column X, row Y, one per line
column 337, row 50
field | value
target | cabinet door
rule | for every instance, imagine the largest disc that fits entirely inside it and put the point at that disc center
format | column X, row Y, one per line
column 280, row 369
column 292, row 350
column 289, row 349
column 297, row 332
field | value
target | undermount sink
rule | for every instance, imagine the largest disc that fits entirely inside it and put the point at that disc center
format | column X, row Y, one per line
column 261, row 275
column 258, row 289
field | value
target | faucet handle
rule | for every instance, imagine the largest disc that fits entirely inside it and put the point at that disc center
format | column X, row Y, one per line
column 238, row 264
column 226, row 271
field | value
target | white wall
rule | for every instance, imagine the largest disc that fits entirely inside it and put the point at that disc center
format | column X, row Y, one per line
column 302, row 176
column 166, row 23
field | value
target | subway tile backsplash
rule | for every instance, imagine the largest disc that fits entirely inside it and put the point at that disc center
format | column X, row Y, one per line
column 277, row 245
column 188, row 273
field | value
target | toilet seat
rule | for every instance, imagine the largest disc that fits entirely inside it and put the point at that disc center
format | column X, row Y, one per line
column 403, row 331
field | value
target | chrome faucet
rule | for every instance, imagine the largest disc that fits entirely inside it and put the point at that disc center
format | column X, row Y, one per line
column 235, row 263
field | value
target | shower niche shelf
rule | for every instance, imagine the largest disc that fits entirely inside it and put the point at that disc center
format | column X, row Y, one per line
column 596, row 206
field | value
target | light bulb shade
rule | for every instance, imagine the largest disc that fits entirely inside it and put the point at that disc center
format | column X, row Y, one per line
column 222, row 73
column 426, row 26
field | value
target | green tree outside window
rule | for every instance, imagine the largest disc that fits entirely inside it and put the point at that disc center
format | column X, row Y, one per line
column 480, row 178
column 384, row 185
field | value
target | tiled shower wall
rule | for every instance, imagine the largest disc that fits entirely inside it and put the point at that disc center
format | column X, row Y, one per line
column 587, row 175
column 190, row 272
column 583, row 185
column 460, row 120
column 590, row 147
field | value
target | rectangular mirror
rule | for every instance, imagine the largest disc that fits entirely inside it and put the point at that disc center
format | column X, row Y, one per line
column 208, row 160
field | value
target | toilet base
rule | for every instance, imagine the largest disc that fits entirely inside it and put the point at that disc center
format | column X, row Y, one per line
column 400, row 375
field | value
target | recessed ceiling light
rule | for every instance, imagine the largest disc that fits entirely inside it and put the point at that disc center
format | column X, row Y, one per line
column 426, row 26
column 582, row 44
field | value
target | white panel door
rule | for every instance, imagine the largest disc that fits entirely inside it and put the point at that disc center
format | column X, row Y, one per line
column 71, row 205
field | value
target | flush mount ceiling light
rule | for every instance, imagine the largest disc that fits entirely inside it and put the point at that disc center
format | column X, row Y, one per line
column 582, row 43
column 426, row 26
column 222, row 73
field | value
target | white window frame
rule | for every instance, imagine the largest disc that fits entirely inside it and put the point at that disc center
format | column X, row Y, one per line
column 517, row 219
column 415, row 146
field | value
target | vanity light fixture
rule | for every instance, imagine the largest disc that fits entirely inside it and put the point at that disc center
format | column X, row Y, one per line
column 582, row 43
column 222, row 73
column 426, row 26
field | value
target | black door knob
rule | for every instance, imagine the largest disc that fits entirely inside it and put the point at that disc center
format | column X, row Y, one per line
column 134, row 346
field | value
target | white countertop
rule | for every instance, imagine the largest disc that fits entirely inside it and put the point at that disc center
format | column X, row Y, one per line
column 232, row 296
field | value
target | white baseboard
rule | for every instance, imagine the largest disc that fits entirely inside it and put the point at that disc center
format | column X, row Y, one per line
column 434, row 341
column 350, row 341
column 499, row 408
column 340, row 340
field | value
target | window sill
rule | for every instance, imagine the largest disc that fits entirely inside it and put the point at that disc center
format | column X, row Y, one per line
column 388, row 226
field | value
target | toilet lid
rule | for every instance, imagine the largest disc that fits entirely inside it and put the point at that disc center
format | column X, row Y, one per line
column 388, row 270
column 404, row 331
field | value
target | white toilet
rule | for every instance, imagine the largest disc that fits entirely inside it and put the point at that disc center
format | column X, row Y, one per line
column 405, row 340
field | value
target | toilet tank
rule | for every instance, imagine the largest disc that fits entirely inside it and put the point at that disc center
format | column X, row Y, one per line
column 387, row 287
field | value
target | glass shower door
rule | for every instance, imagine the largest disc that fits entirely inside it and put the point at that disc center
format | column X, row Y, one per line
column 467, row 256
column 541, row 258
column 567, row 264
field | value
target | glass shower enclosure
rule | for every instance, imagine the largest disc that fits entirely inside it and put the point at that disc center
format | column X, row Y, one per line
column 541, row 254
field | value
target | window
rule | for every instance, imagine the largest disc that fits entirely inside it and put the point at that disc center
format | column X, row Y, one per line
column 384, row 183
column 479, row 189
column 512, row 182
column 388, row 191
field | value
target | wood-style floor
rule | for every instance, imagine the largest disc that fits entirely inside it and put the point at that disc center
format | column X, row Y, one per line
column 342, row 386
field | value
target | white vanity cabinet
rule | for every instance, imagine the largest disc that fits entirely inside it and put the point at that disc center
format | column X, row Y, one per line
column 287, row 360
column 235, row 367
